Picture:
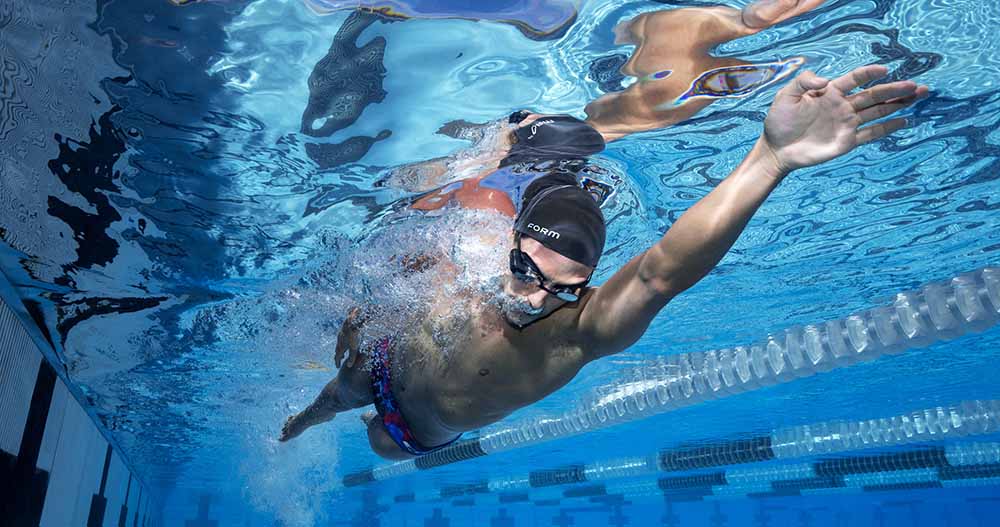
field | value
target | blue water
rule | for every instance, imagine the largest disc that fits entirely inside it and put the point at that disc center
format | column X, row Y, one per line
column 190, row 225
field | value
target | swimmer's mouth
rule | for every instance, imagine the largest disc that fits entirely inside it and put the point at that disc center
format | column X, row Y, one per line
column 517, row 305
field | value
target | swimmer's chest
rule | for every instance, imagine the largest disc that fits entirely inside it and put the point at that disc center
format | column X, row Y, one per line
column 496, row 369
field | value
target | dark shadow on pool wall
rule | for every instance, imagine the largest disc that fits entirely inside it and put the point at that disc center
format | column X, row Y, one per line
column 86, row 168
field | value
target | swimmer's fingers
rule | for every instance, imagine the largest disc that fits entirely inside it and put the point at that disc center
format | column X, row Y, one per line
column 344, row 338
column 354, row 349
column 879, row 130
column 883, row 93
column 805, row 82
column 859, row 77
column 892, row 106
column 883, row 110
column 347, row 339
column 339, row 354
column 347, row 348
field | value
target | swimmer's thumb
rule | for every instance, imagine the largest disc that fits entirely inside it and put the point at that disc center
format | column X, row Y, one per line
column 805, row 82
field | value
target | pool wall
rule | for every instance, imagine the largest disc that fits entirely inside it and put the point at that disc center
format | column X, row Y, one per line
column 57, row 469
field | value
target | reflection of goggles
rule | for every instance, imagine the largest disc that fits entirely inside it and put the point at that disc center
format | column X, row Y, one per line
column 524, row 269
column 735, row 81
column 739, row 81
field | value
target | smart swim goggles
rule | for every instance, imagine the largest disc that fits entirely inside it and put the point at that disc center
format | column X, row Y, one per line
column 526, row 270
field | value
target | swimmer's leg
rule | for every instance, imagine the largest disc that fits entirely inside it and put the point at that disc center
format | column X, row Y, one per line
column 380, row 440
column 349, row 390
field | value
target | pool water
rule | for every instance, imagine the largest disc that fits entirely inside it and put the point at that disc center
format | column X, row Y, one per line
column 192, row 197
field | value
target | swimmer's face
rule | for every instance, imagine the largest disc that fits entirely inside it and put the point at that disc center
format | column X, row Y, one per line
column 526, row 302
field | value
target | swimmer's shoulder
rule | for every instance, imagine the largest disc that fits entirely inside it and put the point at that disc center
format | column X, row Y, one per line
column 564, row 323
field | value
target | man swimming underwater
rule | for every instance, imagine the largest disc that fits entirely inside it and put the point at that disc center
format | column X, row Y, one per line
column 517, row 354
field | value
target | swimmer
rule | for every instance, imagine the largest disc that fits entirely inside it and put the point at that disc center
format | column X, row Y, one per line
column 556, row 322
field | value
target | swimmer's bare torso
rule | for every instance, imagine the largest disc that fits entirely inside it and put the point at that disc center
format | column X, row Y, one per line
column 493, row 370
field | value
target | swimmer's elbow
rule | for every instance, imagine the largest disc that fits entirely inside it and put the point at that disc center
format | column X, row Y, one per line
column 661, row 275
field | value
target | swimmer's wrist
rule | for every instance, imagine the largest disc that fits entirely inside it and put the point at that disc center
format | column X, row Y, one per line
column 766, row 159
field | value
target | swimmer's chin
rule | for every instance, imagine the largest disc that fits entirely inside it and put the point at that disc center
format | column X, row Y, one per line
column 516, row 325
column 519, row 323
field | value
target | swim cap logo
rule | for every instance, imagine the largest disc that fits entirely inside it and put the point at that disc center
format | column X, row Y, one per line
column 535, row 125
column 543, row 231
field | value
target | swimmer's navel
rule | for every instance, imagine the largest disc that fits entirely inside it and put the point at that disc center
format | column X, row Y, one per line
column 484, row 372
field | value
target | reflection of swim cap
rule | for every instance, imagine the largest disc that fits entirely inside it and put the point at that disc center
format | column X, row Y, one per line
column 553, row 137
column 563, row 217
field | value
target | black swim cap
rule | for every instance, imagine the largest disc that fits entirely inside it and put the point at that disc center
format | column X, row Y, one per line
column 555, row 137
column 563, row 217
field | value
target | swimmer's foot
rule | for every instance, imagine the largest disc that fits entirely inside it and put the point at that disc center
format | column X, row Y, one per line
column 766, row 13
column 290, row 429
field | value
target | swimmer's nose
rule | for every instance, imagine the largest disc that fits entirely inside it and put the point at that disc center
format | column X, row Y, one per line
column 536, row 298
column 531, row 293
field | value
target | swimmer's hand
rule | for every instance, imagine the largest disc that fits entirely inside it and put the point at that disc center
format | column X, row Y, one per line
column 347, row 340
column 813, row 120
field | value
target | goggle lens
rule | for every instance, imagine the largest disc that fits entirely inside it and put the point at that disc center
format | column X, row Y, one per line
column 567, row 296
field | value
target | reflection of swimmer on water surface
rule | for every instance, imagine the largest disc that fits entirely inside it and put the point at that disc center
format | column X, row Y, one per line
column 680, row 40
column 549, row 321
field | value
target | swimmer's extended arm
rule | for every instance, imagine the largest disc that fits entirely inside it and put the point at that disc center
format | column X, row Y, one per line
column 811, row 121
